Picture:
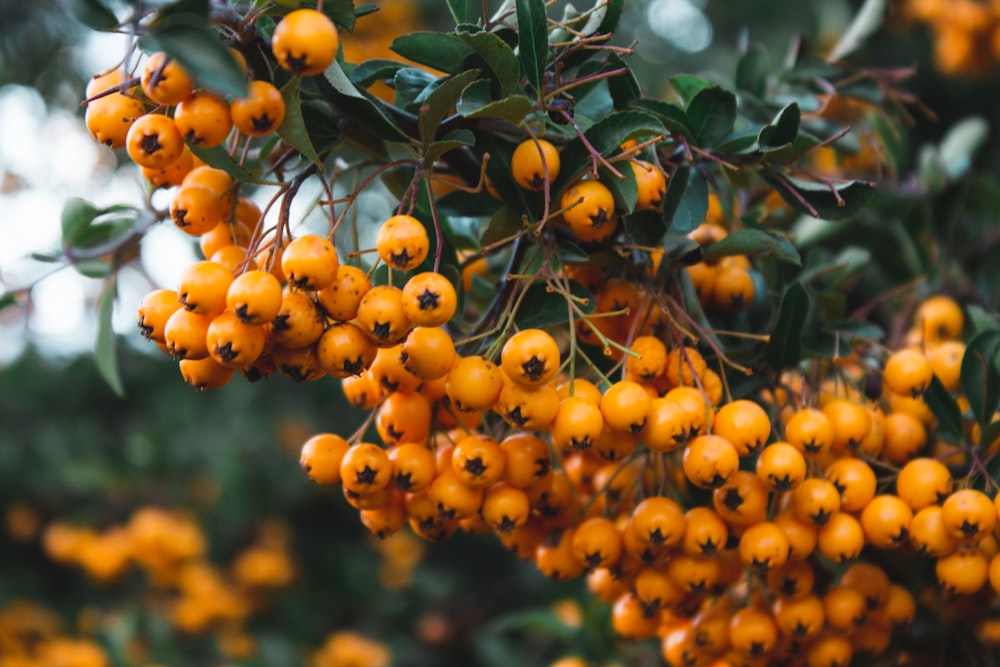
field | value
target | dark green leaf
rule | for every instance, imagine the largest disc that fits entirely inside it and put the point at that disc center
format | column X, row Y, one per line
column 987, row 439
column 93, row 14
column 946, row 410
column 686, row 201
column 624, row 190
column 644, row 228
column 679, row 251
column 104, row 350
column 220, row 159
column 802, row 143
column 449, row 142
column 77, row 214
column 784, row 348
column 687, row 85
column 361, row 107
column 440, row 101
column 442, row 51
column 712, row 114
column 858, row 329
column 754, row 242
column 809, row 70
column 740, row 142
column 543, row 623
column 818, row 199
column 613, row 13
column 341, row 12
column 624, row 88
column 476, row 102
column 671, row 115
column 321, row 126
column 93, row 268
column 504, row 223
column 293, row 125
column 980, row 375
column 542, row 308
column 868, row 19
column 497, row 55
column 374, row 70
column 782, row 130
column 572, row 253
column 533, row 45
column 198, row 49
column 606, row 136
column 7, row 301
column 411, row 83
column 981, row 320
column 751, row 71
column 459, row 10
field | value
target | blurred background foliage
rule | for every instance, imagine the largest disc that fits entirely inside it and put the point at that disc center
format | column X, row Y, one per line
column 73, row 454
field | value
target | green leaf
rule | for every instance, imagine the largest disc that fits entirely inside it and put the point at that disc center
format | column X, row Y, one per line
column 532, row 44
column 341, row 12
column 671, row 115
column 817, row 199
column 572, row 253
column 751, row 71
column 687, row 85
column 784, row 348
column 459, row 10
column 496, row 55
column 378, row 69
column 197, row 47
column 542, row 308
column 857, row 329
column 93, row 268
column 686, row 201
column 361, row 107
column 868, row 19
column 624, row 88
column 7, row 301
column 440, row 101
column 449, row 142
column 980, row 376
column 678, row 251
column 712, row 114
column 93, row 14
column 782, row 130
column 77, row 214
column 946, row 410
column 624, row 190
column 412, row 83
column 220, row 159
column 442, row 51
column 504, row 223
column 606, row 136
column 104, row 349
column 981, row 320
column 476, row 102
column 960, row 144
column 740, row 142
column 293, row 125
column 756, row 243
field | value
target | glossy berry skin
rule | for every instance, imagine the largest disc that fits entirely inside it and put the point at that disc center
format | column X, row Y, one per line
column 530, row 357
column 402, row 242
column 260, row 112
column 154, row 141
column 531, row 161
column 305, row 42
column 321, row 456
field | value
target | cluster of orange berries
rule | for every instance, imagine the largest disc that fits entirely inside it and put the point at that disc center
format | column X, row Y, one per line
column 966, row 33
column 33, row 636
column 346, row 648
column 606, row 484
column 170, row 549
